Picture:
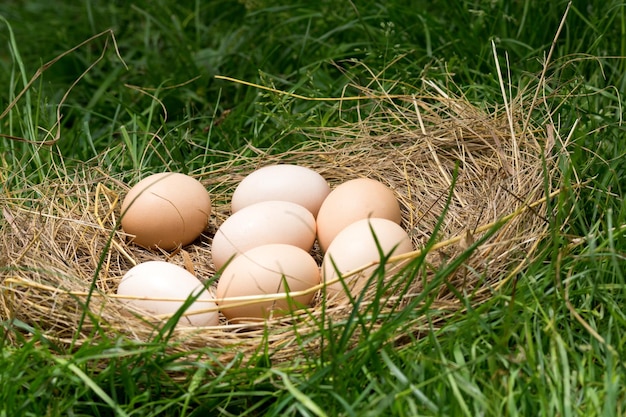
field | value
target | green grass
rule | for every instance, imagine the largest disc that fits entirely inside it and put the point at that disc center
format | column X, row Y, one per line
column 551, row 342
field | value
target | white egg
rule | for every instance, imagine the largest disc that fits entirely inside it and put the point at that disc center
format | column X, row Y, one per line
column 355, row 247
column 284, row 182
column 261, row 224
column 147, row 282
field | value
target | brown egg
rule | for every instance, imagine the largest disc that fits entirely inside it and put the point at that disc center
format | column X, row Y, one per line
column 355, row 200
column 267, row 269
column 355, row 247
column 166, row 210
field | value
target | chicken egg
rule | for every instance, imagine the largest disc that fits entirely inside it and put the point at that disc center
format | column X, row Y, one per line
column 267, row 269
column 166, row 210
column 355, row 247
column 283, row 182
column 263, row 223
column 354, row 200
column 147, row 282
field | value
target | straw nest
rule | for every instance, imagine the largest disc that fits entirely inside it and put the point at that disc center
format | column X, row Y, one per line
column 61, row 237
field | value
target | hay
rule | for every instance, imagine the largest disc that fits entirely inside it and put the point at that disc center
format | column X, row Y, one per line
column 55, row 237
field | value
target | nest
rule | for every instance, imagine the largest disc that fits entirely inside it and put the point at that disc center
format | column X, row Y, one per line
column 472, row 182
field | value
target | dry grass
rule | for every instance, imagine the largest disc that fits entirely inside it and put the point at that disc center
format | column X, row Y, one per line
column 62, row 236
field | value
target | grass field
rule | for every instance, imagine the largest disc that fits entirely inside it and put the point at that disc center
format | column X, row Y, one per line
column 551, row 342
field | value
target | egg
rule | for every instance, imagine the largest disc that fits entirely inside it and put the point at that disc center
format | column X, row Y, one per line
column 166, row 210
column 284, row 182
column 267, row 269
column 260, row 224
column 157, row 279
column 355, row 247
column 355, row 200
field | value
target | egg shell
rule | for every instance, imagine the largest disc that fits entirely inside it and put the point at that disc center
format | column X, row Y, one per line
column 166, row 210
column 355, row 200
column 158, row 279
column 260, row 224
column 283, row 182
column 264, row 270
column 355, row 247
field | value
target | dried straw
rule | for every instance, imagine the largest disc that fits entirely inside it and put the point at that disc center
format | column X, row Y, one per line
column 61, row 247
